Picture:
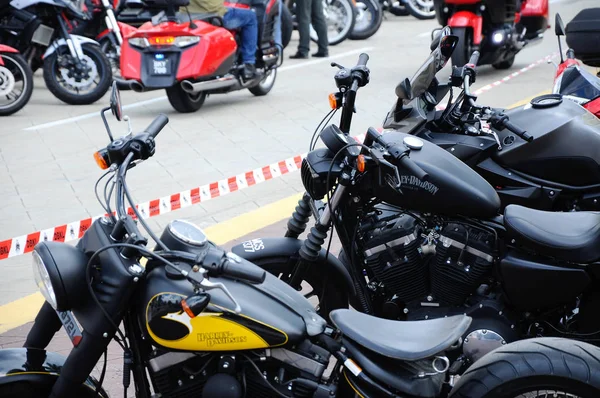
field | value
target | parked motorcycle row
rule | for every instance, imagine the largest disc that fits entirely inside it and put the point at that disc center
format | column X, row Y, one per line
column 470, row 241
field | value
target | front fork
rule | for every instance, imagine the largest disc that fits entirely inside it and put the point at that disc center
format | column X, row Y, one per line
column 74, row 45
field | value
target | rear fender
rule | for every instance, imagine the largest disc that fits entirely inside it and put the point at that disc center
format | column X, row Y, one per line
column 264, row 248
column 38, row 367
column 77, row 42
column 467, row 19
column 7, row 49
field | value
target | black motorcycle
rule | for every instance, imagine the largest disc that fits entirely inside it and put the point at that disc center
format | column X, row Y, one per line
column 542, row 155
column 76, row 70
column 201, row 322
column 423, row 237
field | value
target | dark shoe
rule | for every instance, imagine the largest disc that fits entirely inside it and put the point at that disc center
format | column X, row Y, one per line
column 299, row 55
column 249, row 72
column 320, row 54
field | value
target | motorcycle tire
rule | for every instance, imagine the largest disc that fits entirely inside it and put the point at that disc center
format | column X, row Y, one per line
column 363, row 29
column 421, row 9
column 346, row 7
column 28, row 389
column 102, row 65
column 563, row 368
column 110, row 50
column 265, row 85
column 315, row 276
column 14, row 70
column 462, row 52
column 399, row 11
column 505, row 64
column 184, row 102
column 287, row 25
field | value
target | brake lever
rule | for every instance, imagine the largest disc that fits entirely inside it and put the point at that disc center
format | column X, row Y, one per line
column 487, row 130
column 208, row 285
column 378, row 157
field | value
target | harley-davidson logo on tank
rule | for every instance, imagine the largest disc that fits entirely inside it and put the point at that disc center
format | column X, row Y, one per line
column 414, row 183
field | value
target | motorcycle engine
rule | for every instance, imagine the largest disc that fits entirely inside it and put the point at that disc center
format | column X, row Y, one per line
column 421, row 272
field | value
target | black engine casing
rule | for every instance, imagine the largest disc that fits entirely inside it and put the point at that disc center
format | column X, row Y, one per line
column 457, row 271
column 391, row 251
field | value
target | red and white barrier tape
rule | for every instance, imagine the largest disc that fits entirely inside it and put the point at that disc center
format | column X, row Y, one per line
column 75, row 230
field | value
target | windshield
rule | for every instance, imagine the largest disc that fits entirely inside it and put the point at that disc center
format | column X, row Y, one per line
column 436, row 61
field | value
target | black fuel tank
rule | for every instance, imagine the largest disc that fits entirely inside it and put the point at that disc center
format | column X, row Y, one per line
column 453, row 187
column 566, row 145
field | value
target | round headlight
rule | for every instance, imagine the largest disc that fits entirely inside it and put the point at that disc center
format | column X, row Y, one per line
column 42, row 280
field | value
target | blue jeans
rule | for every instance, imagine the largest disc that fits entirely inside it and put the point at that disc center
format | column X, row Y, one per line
column 236, row 18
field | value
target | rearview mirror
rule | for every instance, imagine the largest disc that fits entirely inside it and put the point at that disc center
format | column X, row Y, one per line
column 404, row 90
column 447, row 45
column 559, row 26
column 436, row 35
column 115, row 102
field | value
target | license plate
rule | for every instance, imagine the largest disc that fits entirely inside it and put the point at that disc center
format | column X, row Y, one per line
column 71, row 326
column 160, row 67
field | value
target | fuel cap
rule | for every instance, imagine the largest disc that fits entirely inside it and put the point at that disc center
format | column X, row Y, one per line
column 413, row 143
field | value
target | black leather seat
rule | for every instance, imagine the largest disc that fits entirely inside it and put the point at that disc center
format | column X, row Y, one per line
column 572, row 236
column 407, row 341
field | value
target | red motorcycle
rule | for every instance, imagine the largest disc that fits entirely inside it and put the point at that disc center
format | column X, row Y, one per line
column 571, row 80
column 498, row 29
column 193, row 59
column 16, row 81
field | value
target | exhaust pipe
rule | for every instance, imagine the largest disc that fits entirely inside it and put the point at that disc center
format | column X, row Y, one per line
column 137, row 87
column 221, row 82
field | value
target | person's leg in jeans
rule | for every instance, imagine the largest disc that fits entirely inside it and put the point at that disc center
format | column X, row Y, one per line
column 236, row 18
column 303, row 18
column 277, row 27
column 320, row 25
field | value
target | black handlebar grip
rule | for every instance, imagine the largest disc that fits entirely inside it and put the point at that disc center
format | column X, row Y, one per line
column 518, row 131
column 363, row 59
column 245, row 270
column 414, row 168
column 474, row 58
column 157, row 125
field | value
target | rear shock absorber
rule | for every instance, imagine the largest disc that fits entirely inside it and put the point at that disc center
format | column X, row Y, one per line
column 297, row 223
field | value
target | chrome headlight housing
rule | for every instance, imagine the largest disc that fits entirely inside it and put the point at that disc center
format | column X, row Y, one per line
column 59, row 272
column 42, row 279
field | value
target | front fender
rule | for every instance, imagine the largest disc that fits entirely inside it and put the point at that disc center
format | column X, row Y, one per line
column 40, row 368
column 467, row 19
column 264, row 248
column 77, row 42
column 7, row 49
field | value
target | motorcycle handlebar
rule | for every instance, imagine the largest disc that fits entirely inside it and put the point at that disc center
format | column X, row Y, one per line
column 157, row 125
column 240, row 271
column 414, row 168
column 363, row 59
column 474, row 58
column 518, row 131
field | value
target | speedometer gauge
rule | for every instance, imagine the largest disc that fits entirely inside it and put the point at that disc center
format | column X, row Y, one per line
column 187, row 232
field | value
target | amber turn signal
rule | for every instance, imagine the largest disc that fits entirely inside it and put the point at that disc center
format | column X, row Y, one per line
column 333, row 101
column 101, row 160
column 361, row 163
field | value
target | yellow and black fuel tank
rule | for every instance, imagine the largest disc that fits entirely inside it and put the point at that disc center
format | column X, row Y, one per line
column 272, row 314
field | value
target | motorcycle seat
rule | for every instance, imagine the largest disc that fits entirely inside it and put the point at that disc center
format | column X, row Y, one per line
column 405, row 341
column 211, row 18
column 568, row 236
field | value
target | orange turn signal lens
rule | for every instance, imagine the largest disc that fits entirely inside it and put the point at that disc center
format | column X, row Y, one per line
column 361, row 163
column 187, row 309
column 100, row 160
column 333, row 101
column 161, row 40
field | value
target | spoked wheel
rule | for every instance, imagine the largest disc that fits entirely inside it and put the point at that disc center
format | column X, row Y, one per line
column 369, row 16
column 421, row 9
column 78, row 83
column 534, row 368
column 265, row 85
column 340, row 16
column 185, row 102
column 112, row 53
column 320, row 286
column 16, row 83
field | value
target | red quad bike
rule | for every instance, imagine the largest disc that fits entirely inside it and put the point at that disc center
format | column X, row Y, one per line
column 571, row 80
column 16, row 81
column 498, row 29
column 192, row 60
